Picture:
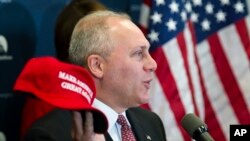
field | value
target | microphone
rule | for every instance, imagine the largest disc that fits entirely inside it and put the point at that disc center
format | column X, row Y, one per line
column 196, row 128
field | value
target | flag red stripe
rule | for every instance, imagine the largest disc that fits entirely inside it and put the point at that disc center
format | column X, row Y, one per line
column 210, row 116
column 148, row 3
column 143, row 29
column 146, row 106
column 244, row 35
column 191, row 28
column 227, row 77
column 211, row 120
column 169, row 87
column 183, row 48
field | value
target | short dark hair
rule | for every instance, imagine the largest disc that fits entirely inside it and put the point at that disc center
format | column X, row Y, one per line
column 66, row 22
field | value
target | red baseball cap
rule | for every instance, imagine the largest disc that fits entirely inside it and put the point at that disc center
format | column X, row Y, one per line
column 61, row 84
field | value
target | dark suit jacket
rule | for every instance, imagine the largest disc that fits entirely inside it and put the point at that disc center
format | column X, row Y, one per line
column 54, row 126
column 146, row 125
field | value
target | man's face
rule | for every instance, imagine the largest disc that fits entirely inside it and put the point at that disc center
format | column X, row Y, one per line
column 128, row 69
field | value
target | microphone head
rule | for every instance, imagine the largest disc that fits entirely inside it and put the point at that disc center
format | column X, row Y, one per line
column 196, row 128
column 191, row 123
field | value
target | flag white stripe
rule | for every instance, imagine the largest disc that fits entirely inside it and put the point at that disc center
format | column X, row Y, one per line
column 237, row 59
column 160, row 105
column 144, row 17
column 247, row 19
column 215, row 90
column 176, row 63
column 193, row 68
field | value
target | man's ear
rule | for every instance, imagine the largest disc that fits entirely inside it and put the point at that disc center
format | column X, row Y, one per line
column 95, row 64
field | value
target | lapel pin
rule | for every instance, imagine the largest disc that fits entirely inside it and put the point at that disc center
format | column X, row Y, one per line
column 148, row 137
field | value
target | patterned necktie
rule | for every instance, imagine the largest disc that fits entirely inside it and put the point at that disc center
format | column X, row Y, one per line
column 127, row 133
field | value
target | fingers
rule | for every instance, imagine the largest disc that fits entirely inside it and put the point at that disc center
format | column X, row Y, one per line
column 89, row 128
column 89, row 123
column 77, row 129
column 84, row 130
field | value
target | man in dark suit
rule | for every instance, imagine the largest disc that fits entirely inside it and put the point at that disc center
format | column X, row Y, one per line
column 65, row 92
column 116, row 53
column 57, row 126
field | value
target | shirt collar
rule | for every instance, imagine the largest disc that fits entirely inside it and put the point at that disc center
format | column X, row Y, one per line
column 108, row 112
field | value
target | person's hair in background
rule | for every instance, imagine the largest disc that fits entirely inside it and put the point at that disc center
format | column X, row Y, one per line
column 66, row 22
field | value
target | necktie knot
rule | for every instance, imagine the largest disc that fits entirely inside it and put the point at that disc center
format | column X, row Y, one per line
column 127, row 133
column 122, row 121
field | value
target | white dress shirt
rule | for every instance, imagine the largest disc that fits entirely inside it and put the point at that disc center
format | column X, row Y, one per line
column 114, row 129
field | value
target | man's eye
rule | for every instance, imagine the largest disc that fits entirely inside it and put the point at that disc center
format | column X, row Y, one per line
column 139, row 53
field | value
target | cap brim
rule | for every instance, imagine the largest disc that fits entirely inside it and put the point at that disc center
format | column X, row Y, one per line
column 100, row 121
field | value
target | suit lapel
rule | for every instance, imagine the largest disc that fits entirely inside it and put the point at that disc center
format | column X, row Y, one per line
column 107, row 137
column 139, row 132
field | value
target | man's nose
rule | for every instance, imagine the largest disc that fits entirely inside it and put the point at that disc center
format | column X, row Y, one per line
column 150, row 65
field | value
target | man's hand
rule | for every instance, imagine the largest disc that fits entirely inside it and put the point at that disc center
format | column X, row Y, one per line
column 84, row 131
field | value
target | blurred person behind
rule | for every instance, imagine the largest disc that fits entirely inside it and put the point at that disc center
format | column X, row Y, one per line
column 67, row 20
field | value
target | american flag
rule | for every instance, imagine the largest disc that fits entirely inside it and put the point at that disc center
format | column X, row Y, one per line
column 202, row 48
